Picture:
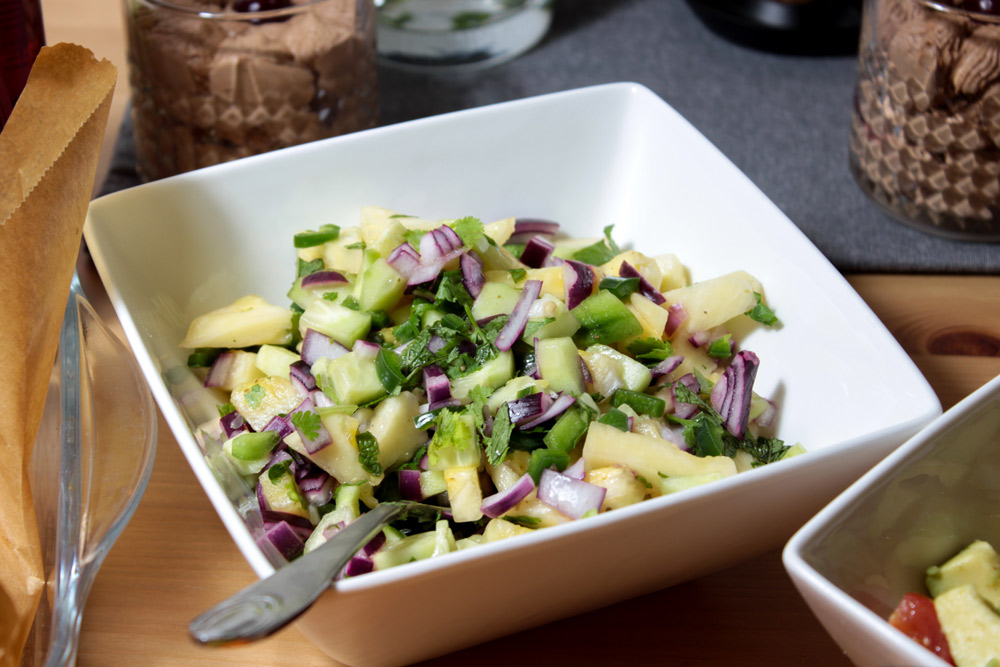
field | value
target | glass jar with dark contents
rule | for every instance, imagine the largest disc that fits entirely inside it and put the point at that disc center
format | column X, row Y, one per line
column 217, row 80
column 925, row 132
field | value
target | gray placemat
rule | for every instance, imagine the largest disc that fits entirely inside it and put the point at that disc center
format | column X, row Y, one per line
column 782, row 119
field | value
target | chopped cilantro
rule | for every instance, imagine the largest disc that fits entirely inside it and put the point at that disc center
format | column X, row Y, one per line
column 761, row 313
column 203, row 357
column 254, row 396
column 413, row 236
column 451, row 289
column 525, row 521
column 469, row 229
column 330, row 296
column 352, row 303
column 615, row 417
column 278, row 470
column 644, row 481
column 496, row 448
column 368, row 453
column 225, row 409
column 358, row 245
column 599, row 253
column 764, row 450
column 380, row 319
column 308, row 423
column 517, row 275
column 650, row 350
column 516, row 249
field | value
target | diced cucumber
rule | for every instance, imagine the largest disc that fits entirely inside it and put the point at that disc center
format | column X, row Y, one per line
column 558, row 361
column 415, row 547
column 392, row 425
column 381, row 286
column 470, row 541
column 274, row 360
column 511, row 389
column 610, row 370
column 605, row 319
column 491, row 375
column 495, row 299
column 339, row 323
column 564, row 324
column 432, row 483
column 303, row 296
column 393, row 236
column 350, row 379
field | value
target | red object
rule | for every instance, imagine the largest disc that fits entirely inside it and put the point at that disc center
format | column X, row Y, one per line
column 916, row 618
column 21, row 38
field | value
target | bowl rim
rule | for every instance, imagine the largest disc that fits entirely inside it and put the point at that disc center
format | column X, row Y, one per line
column 812, row 533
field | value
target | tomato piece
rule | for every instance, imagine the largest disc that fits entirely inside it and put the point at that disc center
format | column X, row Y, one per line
column 916, row 618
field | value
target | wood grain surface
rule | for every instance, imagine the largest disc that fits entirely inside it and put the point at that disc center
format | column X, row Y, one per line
column 175, row 559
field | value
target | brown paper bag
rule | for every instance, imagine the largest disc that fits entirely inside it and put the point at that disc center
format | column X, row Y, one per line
column 48, row 159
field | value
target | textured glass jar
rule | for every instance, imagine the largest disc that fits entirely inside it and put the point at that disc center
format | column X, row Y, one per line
column 214, row 81
column 925, row 133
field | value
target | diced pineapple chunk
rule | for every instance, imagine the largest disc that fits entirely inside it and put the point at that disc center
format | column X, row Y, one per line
column 695, row 358
column 542, row 513
column 607, row 446
column 612, row 370
column 673, row 273
column 500, row 230
column 274, row 360
column 260, row 400
column 464, row 493
column 712, row 302
column 623, row 488
column 241, row 368
column 340, row 457
column 282, row 493
column 392, row 425
column 345, row 252
column 501, row 529
column 652, row 317
column 682, row 482
column 246, row 322
column 647, row 267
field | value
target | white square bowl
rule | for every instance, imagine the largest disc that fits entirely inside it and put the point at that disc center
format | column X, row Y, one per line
column 612, row 154
column 855, row 560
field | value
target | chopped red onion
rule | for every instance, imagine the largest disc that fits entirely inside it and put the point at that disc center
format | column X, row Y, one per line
column 299, row 371
column 279, row 425
column 631, row 424
column 472, row 273
column 436, row 385
column 316, row 346
column 578, row 470
column 233, row 423
column 767, row 417
column 525, row 408
column 222, row 369
column 572, row 497
column 317, row 487
column 537, row 252
column 405, row 260
column 504, row 501
column 321, row 400
column 667, row 366
column 699, row 338
column 682, row 409
column 357, row 565
column 409, row 485
column 301, row 525
column 284, row 538
column 559, row 406
column 527, row 228
column 322, row 439
column 645, row 287
column 674, row 435
column 373, row 545
column 578, row 280
column 675, row 317
column 514, row 327
column 732, row 393
column 325, row 278
column 425, row 462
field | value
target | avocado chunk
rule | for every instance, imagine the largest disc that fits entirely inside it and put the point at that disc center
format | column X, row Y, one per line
column 977, row 564
column 971, row 626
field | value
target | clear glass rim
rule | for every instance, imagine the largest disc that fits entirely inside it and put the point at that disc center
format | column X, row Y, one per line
column 254, row 16
column 937, row 6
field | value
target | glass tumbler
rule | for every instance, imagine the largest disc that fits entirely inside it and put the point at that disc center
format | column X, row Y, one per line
column 925, row 132
column 217, row 80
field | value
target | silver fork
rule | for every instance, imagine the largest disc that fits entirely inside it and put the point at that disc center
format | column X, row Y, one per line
column 270, row 604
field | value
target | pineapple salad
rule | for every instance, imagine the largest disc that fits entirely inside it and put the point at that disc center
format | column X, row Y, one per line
column 516, row 378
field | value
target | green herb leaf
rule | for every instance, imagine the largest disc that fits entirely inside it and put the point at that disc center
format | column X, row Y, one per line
column 764, row 450
column 368, row 453
column 306, row 268
column 308, row 423
column 704, row 434
column 616, row 418
column 387, row 366
column 622, row 288
column 330, row 296
column 225, row 409
column 611, row 242
column 517, row 275
column 761, row 313
column 650, row 350
column 470, row 230
column 451, row 289
column 357, row 245
column 516, row 249
column 203, row 357
column 496, row 449
column 309, row 239
column 254, row 396
column 352, row 303
column 525, row 521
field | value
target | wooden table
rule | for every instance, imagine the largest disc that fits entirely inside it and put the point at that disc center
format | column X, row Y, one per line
column 175, row 559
